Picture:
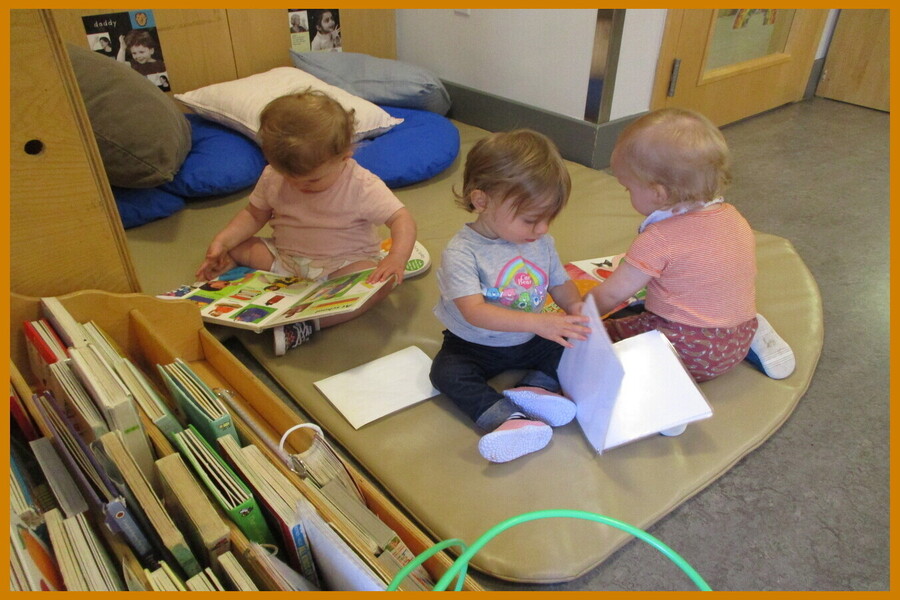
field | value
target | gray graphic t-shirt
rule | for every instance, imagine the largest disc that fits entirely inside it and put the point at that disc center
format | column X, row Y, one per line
column 514, row 276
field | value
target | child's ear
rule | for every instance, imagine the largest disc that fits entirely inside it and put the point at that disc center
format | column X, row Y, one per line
column 662, row 194
column 479, row 200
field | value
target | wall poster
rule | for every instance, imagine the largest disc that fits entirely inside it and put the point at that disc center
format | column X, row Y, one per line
column 129, row 37
column 316, row 30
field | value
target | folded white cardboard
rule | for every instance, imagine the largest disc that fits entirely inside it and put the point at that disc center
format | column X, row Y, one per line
column 628, row 390
column 380, row 387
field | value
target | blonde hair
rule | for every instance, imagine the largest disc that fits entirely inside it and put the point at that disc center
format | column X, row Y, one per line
column 678, row 149
column 300, row 132
column 521, row 166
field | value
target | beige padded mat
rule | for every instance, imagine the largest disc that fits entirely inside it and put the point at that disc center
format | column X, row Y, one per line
column 426, row 456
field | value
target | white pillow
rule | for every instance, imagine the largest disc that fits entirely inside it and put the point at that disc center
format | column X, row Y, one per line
column 237, row 104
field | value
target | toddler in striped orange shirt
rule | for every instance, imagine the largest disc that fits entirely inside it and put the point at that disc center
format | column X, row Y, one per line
column 694, row 252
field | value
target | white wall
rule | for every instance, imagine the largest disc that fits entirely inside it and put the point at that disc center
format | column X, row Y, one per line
column 538, row 57
column 638, row 55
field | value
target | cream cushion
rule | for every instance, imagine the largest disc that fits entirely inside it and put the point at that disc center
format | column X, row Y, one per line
column 237, row 104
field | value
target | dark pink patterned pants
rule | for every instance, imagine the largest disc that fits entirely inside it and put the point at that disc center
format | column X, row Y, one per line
column 706, row 352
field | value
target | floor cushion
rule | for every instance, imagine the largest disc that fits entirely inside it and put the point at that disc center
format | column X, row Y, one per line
column 138, row 206
column 141, row 133
column 221, row 161
column 379, row 80
column 419, row 148
column 238, row 103
column 426, row 456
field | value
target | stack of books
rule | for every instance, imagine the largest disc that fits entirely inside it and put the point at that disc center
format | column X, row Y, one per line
column 123, row 481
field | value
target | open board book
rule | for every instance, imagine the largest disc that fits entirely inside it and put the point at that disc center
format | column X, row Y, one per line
column 588, row 273
column 630, row 389
column 259, row 300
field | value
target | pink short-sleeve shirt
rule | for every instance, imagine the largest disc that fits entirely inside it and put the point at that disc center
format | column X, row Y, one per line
column 703, row 265
column 340, row 221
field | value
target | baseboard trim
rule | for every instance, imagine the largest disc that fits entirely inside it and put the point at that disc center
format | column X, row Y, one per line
column 580, row 141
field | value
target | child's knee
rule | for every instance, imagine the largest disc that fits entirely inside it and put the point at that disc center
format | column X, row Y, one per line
column 439, row 375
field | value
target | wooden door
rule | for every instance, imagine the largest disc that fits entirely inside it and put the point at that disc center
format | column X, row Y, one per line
column 734, row 63
column 65, row 232
column 858, row 65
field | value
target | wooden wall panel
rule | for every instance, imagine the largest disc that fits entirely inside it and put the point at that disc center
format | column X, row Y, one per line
column 370, row 31
column 367, row 31
column 198, row 48
column 65, row 231
column 248, row 27
column 196, row 43
column 205, row 46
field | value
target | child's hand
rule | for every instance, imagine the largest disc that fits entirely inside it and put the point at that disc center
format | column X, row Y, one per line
column 560, row 328
column 217, row 261
column 390, row 266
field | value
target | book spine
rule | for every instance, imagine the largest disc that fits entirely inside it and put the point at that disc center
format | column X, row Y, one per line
column 186, row 559
column 303, row 554
column 21, row 417
column 121, row 522
column 40, row 356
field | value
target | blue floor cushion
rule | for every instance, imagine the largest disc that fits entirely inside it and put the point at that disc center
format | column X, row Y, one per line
column 420, row 147
column 221, row 161
column 142, row 205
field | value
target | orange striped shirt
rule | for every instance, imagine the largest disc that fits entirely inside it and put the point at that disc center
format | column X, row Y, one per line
column 703, row 265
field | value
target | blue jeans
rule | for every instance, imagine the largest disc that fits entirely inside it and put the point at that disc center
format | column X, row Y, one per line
column 461, row 371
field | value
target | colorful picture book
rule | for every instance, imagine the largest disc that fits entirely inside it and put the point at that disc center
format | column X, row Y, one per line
column 258, row 300
column 597, row 270
column 588, row 273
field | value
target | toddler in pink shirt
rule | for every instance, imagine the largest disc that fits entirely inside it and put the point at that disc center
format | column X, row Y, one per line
column 324, row 209
column 695, row 254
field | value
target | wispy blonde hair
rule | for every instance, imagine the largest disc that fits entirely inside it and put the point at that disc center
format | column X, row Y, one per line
column 520, row 166
column 680, row 150
column 300, row 132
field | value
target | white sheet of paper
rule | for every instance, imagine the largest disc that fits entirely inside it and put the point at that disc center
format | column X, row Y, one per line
column 380, row 387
